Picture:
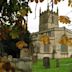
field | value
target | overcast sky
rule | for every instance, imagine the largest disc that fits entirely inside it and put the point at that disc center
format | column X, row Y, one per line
column 33, row 22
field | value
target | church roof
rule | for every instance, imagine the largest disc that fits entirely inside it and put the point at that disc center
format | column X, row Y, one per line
column 54, row 29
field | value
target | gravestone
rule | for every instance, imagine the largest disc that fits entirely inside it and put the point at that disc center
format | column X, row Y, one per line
column 24, row 52
column 4, row 58
column 10, row 58
column 46, row 62
column 24, row 64
column 34, row 58
column 57, row 63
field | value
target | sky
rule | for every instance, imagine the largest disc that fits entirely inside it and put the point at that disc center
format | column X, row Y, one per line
column 33, row 21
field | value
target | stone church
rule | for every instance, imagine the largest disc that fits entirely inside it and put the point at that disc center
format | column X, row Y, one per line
column 51, row 40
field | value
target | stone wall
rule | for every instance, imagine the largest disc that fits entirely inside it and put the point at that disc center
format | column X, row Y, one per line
column 22, row 65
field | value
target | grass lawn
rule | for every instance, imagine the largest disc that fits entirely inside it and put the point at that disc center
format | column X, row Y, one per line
column 65, row 66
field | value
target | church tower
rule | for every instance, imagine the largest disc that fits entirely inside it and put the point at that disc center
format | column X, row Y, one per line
column 48, row 19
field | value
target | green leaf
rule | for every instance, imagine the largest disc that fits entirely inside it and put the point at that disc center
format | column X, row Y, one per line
column 14, row 33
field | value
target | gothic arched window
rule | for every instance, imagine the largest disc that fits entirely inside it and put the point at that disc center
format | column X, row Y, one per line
column 46, row 48
column 64, row 49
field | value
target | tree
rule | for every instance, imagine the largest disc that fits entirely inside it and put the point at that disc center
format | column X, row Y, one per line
column 13, row 26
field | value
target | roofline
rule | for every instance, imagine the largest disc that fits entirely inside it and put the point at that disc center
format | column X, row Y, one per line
column 54, row 29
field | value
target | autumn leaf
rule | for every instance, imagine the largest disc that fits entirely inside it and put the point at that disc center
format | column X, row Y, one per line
column 64, row 19
column 44, row 39
column 56, row 1
column 21, row 44
column 65, row 41
column 41, row 0
column 36, row 1
column 31, row 0
column 69, row 41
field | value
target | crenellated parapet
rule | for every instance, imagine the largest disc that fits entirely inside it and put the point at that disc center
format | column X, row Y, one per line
column 48, row 19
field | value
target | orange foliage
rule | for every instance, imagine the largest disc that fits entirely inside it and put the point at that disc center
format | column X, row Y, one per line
column 41, row 0
column 65, row 41
column 70, row 42
column 36, row 1
column 56, row 1
column 45, row 39
column 64, row 19
column 21, row 44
